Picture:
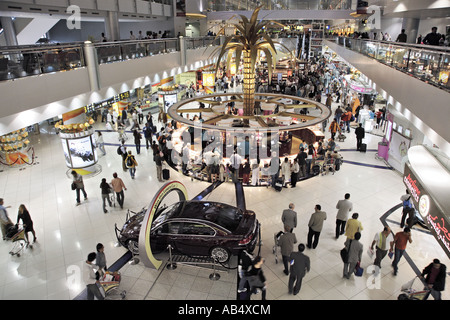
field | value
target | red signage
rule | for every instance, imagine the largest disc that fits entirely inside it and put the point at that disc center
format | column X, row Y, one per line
column 439, row 228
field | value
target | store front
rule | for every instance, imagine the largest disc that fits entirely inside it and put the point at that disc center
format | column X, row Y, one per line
column 427, row 178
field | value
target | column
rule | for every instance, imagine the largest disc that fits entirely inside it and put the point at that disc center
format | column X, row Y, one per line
column 90, row 56
column 411, row 26
column 10, row 31
column 112, row 26
column 182, row 50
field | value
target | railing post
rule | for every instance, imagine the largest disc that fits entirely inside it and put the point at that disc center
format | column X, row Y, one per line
column 90, row 56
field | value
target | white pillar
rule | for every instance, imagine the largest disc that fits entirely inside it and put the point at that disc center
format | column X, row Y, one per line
column 90, row 57
column 9, row 30
column 112, row 26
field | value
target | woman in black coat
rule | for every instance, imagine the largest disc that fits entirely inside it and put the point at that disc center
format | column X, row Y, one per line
column 27, row 222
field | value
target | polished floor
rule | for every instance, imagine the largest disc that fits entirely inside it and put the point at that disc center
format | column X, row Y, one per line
column 67, row 233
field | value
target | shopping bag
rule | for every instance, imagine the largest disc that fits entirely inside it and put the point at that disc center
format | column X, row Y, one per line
column 358, row 270
column 370, row 252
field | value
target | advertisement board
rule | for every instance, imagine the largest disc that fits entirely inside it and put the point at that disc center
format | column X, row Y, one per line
column 169, row 100
column 81, row 151
column 438, row 223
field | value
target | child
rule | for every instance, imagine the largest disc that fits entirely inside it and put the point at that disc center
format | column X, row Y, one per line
column 101, row 259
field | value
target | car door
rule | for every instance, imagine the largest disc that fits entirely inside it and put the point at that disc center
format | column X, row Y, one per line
column 195, row 239
column 165, row 234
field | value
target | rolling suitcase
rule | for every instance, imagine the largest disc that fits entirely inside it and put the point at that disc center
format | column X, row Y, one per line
column 279, row 184
column 316, row 169
column 166, row 174
column 363, row 147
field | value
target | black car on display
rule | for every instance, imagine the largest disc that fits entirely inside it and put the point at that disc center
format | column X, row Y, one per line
column 195, row 228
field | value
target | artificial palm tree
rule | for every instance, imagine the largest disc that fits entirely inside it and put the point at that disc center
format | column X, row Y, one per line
column 249, row 41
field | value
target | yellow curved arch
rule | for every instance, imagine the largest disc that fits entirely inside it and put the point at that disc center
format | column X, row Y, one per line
column 145, row 251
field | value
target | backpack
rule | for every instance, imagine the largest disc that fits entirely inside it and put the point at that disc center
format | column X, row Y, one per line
column 129, row 161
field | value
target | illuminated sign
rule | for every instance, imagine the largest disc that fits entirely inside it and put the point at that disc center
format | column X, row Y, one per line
column 440, row 230
column 432, row 214
column 411, row 183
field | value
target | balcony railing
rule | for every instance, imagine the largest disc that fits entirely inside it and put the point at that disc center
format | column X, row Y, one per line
column 427, row 63
column 250, row 5
column 24, row 61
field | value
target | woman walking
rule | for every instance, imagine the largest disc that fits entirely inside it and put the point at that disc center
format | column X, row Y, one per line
column 24, row 215
column 78, row 185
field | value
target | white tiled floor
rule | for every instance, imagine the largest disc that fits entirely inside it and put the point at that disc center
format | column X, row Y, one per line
column 66, row 233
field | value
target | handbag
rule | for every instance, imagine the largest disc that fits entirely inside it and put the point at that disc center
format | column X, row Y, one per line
column 74, row 186
column 344, row 253
column 358, row 270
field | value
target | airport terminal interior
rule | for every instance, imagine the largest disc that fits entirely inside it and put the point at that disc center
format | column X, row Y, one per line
column 79, row 83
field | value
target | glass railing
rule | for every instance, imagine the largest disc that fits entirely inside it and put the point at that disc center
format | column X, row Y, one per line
column 250, row 5
column 125, row 50
column 23, row 61
column 427, row 63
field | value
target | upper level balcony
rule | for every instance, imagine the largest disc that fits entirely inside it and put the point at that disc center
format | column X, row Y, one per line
column 430, row 64
column 24, row 61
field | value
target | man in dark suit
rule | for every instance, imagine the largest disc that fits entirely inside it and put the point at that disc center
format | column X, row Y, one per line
column 360, row 133
column 300, row 265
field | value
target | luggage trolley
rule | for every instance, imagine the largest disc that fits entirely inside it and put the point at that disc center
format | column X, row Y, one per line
column 109, row 286
column 276, row 238
column 16, row 234
column 409, row 293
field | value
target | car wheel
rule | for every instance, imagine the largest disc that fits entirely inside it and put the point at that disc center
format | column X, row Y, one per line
column 133, row 246
column 221, row 254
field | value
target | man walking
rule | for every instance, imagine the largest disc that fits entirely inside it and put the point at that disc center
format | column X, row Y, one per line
column 360, row 134
column 118, row 187
column 344, row 208
column 286, row 243
column 401, row 239
column 315, row 226
column 355, row 250
column 300, row 265
column 381, row 240
column 289, row 218
column 353, row 225
column 434, row 276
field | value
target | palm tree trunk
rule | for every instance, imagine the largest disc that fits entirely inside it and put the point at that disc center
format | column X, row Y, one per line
column 248, row 85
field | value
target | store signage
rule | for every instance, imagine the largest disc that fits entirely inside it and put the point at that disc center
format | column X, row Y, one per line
column 438, row 227
column 412, row 184
column 361, row 89
column 106, row 103
column 438, row 223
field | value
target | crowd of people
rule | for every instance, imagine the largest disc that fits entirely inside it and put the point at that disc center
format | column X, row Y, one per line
column 296, row 264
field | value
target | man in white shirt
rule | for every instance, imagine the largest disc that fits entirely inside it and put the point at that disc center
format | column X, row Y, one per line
column 91, row 275
column 384, row 242
column 235, row 161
